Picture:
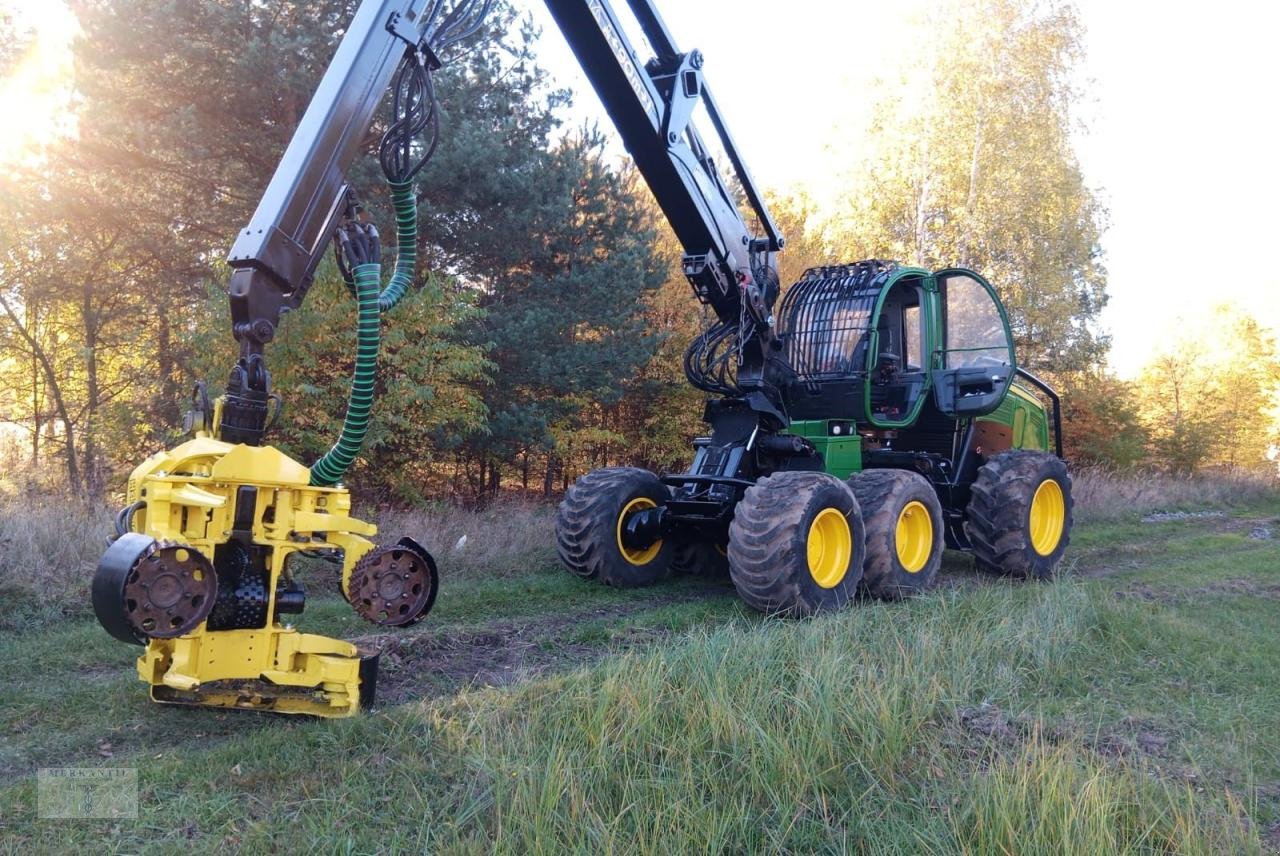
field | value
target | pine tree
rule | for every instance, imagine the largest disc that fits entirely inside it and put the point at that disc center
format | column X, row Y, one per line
column 566, row 316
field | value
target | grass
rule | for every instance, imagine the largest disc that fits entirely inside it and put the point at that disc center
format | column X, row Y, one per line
column 1103, row 494
column 1129, row 707
column 49, row 548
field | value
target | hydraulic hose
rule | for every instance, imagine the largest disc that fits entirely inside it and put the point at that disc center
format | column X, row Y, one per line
column 406, row 208
column 330, row 469
column 416, row 117
column 364, row 283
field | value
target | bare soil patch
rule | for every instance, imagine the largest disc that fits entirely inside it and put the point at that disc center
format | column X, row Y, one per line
column 499, row 653
column 1182, row 594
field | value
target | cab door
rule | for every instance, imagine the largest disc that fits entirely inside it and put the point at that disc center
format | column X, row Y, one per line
column 974, row 366
column 897, row 356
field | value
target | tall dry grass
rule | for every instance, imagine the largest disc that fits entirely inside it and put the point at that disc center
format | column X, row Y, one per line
column 1103, row 494
column 49, row 547
column 508, row 537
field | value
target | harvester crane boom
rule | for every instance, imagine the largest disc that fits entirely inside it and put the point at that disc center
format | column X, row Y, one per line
column 651, row 103
column 275, row 255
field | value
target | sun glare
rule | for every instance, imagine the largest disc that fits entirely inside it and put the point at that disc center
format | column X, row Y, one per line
column 35, row 91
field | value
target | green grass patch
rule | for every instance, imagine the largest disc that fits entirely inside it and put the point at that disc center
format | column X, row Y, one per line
column 1131, row 709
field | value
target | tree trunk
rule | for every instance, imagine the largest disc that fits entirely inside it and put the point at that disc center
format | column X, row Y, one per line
column 35, row 398
column 922, row 218
column 55, row 390
column 549, row 477
column 93, row 393
column 971, row 200
column 167, row 365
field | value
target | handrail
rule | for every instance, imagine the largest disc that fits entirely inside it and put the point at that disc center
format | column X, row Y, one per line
column 1057, row 406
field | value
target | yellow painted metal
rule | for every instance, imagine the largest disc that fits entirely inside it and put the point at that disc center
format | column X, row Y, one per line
column 1047, row 518
column 637, row 557
column 829, row 547
column 190, row 494
column 1025, row 395
column 913, row 537
column 273, row 668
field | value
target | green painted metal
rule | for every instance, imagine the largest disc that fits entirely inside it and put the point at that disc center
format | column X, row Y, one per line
column 841, row 455
column 1024, row 414
column 935, row 333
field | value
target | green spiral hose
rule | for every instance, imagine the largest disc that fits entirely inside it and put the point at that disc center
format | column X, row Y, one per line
column 406, row 208
column 364, row 285
column 330, row 469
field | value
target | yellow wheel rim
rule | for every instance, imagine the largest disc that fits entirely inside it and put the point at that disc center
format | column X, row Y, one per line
column 913, row 537
column 829, row 547
column 1048, row 517
column 637, row 557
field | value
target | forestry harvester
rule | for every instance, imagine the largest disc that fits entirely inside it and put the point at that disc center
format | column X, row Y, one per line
column 859, row 420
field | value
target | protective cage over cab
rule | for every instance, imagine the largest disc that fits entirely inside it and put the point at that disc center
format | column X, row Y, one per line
column 871, row 341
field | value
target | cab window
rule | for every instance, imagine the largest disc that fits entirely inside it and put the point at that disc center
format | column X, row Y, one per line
column 913, row 350
column 976, row 332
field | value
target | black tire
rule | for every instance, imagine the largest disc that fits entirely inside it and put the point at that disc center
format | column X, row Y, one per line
column 1000, row 525
column 587, row 528
column 700, row 559
column 769, row 544
column 887, row 498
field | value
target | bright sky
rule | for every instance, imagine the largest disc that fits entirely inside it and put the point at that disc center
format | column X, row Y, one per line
column 36, row 90
column 1181, row 144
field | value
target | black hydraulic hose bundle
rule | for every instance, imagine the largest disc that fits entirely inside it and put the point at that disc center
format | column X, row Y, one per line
column 416, row 114
column 414, row 108
column 409, row 142
column 710, row 360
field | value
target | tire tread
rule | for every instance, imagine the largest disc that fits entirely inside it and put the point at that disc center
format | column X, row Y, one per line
column 996, row 519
